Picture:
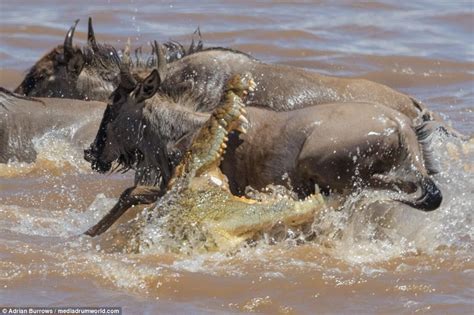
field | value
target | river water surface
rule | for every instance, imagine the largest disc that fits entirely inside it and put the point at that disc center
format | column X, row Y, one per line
column 364, row 261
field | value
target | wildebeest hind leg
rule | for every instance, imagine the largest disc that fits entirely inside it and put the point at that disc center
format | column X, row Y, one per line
column 132, row 196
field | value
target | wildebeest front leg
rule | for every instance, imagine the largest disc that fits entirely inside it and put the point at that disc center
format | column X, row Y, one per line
column 136, row 195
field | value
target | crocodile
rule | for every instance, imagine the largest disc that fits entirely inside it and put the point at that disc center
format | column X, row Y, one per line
column 198, row 213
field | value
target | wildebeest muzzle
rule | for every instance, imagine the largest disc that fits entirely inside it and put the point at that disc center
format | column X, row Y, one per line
column 90, row 155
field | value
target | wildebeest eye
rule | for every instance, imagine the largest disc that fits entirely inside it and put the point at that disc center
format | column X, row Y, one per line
column 116, row 97
column 60, row 59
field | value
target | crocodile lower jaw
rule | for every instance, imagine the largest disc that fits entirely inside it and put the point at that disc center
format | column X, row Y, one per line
column 240, row 227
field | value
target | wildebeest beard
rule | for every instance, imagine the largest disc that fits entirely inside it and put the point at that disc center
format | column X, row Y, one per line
column 157, row 174
column 130, row 155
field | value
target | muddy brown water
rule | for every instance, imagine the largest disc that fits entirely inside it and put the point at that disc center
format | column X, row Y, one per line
column 364, row 260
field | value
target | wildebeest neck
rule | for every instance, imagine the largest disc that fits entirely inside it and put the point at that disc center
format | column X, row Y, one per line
column 168, row 129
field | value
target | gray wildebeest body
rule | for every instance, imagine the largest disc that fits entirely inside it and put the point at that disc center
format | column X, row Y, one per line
column 279, row 87
column 24, row 118
column 332, row 145
column 201, row 77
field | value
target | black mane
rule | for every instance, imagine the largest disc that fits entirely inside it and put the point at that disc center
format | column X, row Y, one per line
column 175, row 51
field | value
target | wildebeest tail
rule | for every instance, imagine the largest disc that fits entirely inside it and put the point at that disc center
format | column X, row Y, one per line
column 421, row 163
column 435, row 122
column 423, row 133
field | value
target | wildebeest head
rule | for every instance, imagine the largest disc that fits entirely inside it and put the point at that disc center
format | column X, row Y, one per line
column 93, row 72
column 120, row 131
column 71, row 72
column 55, row 73
column 101, row 73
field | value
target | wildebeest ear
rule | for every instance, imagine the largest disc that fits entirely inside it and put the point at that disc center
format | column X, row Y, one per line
column 196, row 47
column 149, row 86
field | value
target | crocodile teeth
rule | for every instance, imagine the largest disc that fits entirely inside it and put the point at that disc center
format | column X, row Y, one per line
column 243, row 120
column 241, row 129
column 252, row 85
column 222, row 122
column 223, row 145
column 242, row 111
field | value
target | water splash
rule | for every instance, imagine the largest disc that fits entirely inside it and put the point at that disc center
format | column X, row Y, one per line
column 351, row 246
column 371, row 228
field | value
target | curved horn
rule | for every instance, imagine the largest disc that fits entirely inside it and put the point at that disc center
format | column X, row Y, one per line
column 68, row 40
column 127, row 81
column 126, row 53
column 91, row 36
column 160, row 60
column 126, row 78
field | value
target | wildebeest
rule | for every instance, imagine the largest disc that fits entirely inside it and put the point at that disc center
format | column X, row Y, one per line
column 332, row 145
column 90, row 73
column 24, row 118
